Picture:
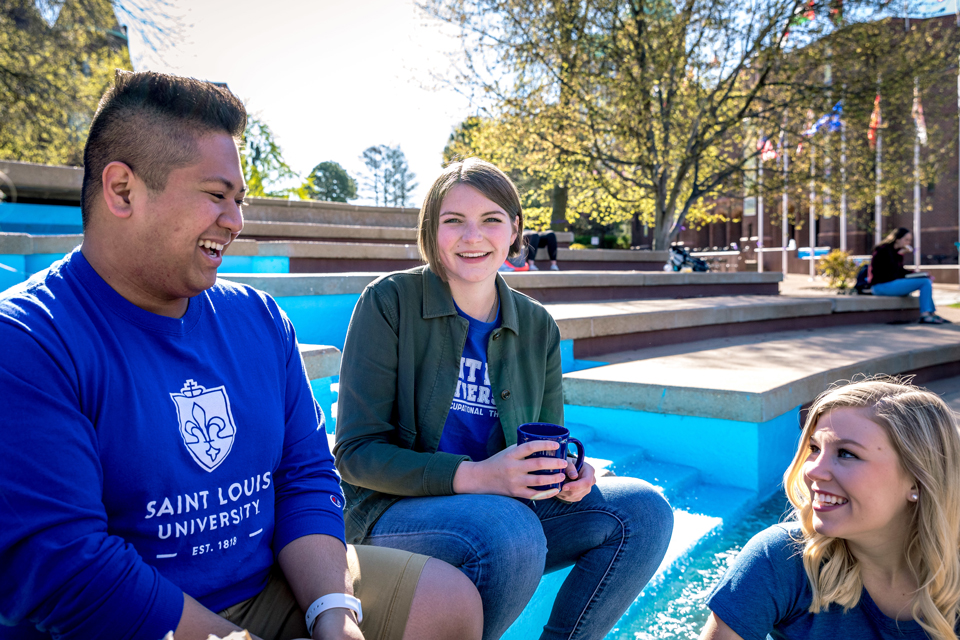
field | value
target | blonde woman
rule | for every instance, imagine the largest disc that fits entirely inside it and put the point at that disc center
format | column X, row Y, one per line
column 873, row 551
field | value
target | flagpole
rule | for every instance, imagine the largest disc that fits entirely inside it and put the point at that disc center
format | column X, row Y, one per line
column 813, row 210
column 878, row 199
column 916, row 175
column 843, row 181
column 783, row 216
column 786, row 166
column 760, row 214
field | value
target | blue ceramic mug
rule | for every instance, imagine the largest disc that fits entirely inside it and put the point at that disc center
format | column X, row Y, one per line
column 546, row 431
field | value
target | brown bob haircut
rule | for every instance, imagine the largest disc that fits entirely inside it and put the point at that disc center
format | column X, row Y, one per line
column 485, row 178
column 151, row 122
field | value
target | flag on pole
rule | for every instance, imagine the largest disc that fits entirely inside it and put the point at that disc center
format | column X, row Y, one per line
column 917, row 113
column 781, row 147
column 804, row 14
column 830, row 120
column 765, row 147
column 875, row 122
column 836, row 12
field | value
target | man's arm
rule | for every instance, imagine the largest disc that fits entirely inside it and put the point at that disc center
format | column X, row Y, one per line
column 309, row 518
column 60, row 569
column 316, row 565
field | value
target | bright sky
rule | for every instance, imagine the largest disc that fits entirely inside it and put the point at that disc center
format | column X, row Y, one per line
column 329, row 77
column 333, row 77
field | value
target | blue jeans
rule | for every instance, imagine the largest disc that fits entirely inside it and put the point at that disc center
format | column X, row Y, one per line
column 906, row 286
column 615, row 538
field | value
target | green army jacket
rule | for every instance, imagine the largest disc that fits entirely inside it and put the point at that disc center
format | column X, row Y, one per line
column 398, row 376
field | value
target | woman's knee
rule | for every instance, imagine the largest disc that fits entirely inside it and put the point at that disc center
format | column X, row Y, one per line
column 513, row 538
column 642, row 507
column 443, row 590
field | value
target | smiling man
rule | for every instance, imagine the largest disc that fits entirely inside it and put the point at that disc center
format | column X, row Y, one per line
column 165, row 466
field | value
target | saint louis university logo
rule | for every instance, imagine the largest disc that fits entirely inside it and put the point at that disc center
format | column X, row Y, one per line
column 206, row 424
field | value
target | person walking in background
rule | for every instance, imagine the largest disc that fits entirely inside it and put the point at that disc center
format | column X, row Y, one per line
column 536, row 240
column 441, row 365
column 889, row 278
column 871, row 548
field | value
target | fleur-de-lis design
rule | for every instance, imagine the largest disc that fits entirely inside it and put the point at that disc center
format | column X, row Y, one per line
column 205, row 430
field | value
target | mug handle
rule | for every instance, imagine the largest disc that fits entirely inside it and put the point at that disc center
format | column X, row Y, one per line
column 579, row 463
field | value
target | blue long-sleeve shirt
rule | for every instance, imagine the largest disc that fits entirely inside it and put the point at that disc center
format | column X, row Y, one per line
column 143, row 457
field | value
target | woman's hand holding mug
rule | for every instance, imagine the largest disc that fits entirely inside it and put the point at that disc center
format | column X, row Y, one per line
column 510, row 472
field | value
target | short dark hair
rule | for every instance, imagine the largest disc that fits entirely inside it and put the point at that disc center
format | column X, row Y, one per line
column 486, row 178
column 151, row 122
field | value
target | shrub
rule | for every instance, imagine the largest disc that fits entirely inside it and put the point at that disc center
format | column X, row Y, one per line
column 839, row 268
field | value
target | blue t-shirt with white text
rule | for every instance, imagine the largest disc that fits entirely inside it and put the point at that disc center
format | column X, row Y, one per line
column 473, row 424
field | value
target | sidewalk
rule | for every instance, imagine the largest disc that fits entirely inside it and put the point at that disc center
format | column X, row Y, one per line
column 944, row 295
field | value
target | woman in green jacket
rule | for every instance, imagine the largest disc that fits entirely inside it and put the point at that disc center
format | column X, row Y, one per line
column 441, row 364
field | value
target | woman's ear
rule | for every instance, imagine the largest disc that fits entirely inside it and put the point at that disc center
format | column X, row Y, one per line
column 914, row 494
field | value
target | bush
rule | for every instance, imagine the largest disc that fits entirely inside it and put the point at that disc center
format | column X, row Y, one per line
column 839, row 268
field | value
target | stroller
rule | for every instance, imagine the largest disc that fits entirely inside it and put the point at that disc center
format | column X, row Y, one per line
column 681, row 258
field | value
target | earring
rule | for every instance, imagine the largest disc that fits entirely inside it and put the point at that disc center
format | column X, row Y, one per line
column 914, row 497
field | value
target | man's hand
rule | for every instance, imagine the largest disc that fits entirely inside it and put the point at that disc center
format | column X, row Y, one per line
column 197, row 622
column 337, row 624
column 316, row 565
column 581, row 484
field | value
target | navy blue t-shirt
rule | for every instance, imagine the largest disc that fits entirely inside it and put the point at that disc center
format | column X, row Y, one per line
column 766, row 591
column 473, row 424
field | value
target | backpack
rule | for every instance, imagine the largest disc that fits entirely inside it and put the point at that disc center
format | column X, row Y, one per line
column 517, row 263
column 863, row 279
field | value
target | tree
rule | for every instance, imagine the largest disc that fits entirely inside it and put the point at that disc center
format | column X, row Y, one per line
column 330, row 182
column 373, row 159
column 398, row 179
column 388, row 176
column 657, row 103
column 262, row 161
column 57, row 57
column 52, row 75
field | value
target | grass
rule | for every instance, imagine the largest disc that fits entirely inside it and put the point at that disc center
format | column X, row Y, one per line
column 955, row 305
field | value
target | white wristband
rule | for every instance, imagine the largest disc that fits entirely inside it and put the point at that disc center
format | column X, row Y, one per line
column 332, row 601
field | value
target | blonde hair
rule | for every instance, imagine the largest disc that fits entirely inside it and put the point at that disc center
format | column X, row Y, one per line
column 485, row 178
column 924, row 434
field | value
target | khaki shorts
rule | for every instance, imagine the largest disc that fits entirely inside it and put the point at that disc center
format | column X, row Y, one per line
column 384, row 580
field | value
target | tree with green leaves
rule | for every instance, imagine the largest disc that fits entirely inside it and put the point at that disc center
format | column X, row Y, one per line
column 657, row 103
column 330, row 182
column 56, row 60
column 262, row 161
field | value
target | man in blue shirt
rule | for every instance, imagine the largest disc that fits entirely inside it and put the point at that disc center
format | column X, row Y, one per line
column 163, row 456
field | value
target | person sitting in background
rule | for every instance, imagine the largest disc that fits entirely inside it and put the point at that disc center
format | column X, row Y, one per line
column 871, row 551
column 889, row 278
column 536, row 240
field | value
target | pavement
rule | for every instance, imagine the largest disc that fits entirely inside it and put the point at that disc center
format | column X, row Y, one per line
column 949, row 390
column 944, row 295
column 757, row 378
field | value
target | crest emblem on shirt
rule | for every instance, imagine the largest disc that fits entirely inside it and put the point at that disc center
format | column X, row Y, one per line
column 206, row 423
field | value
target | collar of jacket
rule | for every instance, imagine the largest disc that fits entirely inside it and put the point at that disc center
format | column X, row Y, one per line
column 438, row 301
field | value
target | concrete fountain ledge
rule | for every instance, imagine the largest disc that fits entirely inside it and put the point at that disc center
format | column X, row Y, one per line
column 545, row 286
column 758, row 378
